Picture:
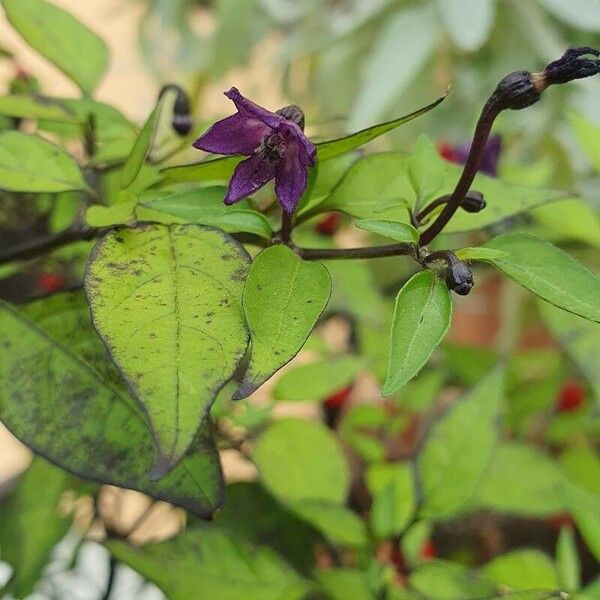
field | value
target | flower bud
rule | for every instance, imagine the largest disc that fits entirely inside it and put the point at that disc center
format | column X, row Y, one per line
column 182, row 119
column 292, row 113
column 473, row 202
column 571, row 65
column 459, row 277
column 182, row 124
column 516, row 91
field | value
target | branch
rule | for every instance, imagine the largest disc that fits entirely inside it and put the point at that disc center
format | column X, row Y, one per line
column 354, row 253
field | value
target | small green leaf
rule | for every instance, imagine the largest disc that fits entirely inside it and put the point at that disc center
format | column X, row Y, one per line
column 588, row 136
column 421, row 320
column 585, row 510
column 77, row 413
column 202, row 206
column 522, row 570
column 28, row 510
column 458, row 449
column 535, row 483
column 37, row 107
column 392, row 488
column 283, row 298
column 567, row 561
column 209, row 563
column 337, row 523
column 29, row 163
column 425, row 170
column 220, row 169
column 445, row 580
column 401, row 232
column 316, row 381
column 301, row 460
column 479, row 253
column 582, row 466
column 120, row 213
column 345, row 584
column 141, row 148
column 63, row 40
column 549, row 272
column 167, row 303
column 360, row 427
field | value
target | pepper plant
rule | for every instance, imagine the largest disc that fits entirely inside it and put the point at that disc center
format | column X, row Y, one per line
column 202, row 281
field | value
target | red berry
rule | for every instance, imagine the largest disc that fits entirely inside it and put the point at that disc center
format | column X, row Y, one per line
column 338, row 399
column 329, row 224
column 428, row 550
column 51, row 282
column 447, row 151
column 570, row 398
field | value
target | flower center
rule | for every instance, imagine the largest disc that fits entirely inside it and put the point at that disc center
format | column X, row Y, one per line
column 273, row 147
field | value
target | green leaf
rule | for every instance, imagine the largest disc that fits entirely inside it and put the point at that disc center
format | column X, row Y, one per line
column 29, row 163
column 316, row 381
column 444, row 580
column 522, row 570
column 582, row 466
column 535, row 483
column 209, row 563
column 458, row 449
column 375, row 187
column 588, row 136
column 77, row 414
column 345, row 584
column 30, row 524
column 167, row 303
column 421, row 320
column 581, row 14
column 202, row 206
column 301, row 460
column 425, row 170
column 120, row 213
column 567, row 561
column 283, row 298
column 468, row 22
column 479, row 253
column 585, row 511
column 37, row 107
column 337, row 523
column 392, row 488
column 401, row 232
column 550, row 273
column 63, row 40
column 220, row 169
column 141, row 148
column 580, row 338
column 360, row 427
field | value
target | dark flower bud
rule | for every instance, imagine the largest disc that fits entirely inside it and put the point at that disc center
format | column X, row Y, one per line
column 572, row 65
column 516, row 91
column 473, row 202
column 459, row 277
column 292, row 113
column 182, row 119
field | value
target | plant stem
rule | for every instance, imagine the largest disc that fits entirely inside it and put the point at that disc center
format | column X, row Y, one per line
column 287, row 225
column 355, row 253
column 112, row 572
column 482, row 131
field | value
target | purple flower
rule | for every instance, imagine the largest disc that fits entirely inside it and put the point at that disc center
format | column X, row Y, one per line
column 275, row 144
column 489, row 158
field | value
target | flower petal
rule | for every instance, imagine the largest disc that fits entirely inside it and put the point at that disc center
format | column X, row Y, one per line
column 291, row 178
column 308, row 151
column 247, row 108
column 237, row 134
column 249, row 176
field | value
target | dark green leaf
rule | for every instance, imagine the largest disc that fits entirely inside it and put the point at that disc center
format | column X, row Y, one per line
column 167, row 303
column 458, row 448
column 31, row 525
column 29, row 163
column 77, row 414
column 550, row 273
column 421, row 320
column 301, row 460
column 209, row 563
column 283, row 298
column 62, row 39
column 316, row 381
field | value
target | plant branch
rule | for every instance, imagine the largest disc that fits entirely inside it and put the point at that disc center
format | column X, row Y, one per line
column 356, row 253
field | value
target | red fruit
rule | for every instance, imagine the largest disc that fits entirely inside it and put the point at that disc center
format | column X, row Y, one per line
column 338, row 399
column 51, row 282
column 428, row 550
column 447, row 151
column 570, row 398
column 329, row 224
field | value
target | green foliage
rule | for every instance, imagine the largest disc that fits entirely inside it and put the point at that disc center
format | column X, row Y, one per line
column 401, row 232
column 29, row 163
column 421, row 319
column 173, row 294
column 522, row 569
column 60, row 38
column 31, row 524
column 211, row 563
column 567, row 561
column 283, row 298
